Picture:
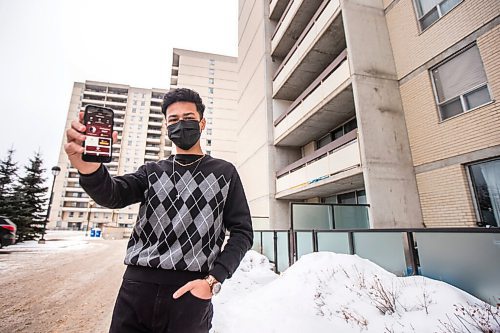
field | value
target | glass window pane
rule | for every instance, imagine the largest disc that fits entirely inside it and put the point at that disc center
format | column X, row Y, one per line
column 486, row 183
column 448, row 5
column 426, row 5
column 338, row 133
column 459, row 74
column 430, row 18
column 361, row 197
column 324, row 140
column 451, row 109
column 477, row 97
column 347, row 198
column 349, row 126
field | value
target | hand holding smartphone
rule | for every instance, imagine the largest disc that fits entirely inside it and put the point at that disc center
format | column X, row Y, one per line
column 76, row 136
column 98, row 123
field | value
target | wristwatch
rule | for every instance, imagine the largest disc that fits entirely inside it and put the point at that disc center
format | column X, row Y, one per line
column 214, row 285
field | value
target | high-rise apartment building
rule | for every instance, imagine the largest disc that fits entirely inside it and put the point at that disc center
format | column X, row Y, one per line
column 141, row 138
column 388, row 103
column 214, row 77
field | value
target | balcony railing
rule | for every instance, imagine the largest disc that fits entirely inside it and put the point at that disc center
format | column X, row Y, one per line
column 302, row 36
column 316, row 83
column 464, row 257
column 323, row 151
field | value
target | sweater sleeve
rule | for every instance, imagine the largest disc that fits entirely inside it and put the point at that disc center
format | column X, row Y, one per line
column 236, row 219
column 115, row 192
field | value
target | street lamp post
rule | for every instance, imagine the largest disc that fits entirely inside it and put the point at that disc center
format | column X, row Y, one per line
column 55, row 172
column 91, row 204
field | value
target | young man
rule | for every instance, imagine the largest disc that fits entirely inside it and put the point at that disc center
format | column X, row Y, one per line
column 174, row 258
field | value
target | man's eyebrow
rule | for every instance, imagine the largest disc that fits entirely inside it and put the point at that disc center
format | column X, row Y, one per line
column 188, row 113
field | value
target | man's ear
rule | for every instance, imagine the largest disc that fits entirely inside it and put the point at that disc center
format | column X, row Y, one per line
column 203, row 123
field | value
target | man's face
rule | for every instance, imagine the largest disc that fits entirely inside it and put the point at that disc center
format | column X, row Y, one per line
column 183, row 111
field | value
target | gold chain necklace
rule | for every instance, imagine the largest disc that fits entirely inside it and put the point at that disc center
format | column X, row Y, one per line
column 188, row 164
column 173, row 174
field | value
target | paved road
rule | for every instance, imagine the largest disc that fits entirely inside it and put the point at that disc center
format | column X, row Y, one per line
column 68, row 289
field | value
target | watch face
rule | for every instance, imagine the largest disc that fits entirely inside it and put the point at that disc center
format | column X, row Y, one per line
column 216, row 288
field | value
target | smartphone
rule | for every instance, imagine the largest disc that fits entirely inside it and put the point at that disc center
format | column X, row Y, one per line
column 98, row 123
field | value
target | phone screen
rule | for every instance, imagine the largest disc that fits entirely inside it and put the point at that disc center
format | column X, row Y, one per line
column 99, row 127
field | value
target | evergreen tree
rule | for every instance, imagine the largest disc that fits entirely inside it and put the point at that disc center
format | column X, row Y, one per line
column 30, row 200
column 8, row 176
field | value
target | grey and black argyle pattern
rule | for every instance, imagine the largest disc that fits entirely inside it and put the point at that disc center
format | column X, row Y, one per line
column 180, row 225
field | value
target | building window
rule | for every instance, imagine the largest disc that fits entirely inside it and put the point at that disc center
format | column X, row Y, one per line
column 460, row 83
column 355, row 197
column 430, row 11
column 143, row 103
column 80, row 214
column 485, row 178
column 211, row 71
column 337, row 133
column 209, row 121
column 130, row 216
column 209, row 142
column 211, row 80
column 71, row 214
column 209, row 131
column 210, row 90
column 212, row 62
column 208, row 152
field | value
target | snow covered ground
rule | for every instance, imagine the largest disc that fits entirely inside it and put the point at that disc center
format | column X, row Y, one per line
column 328, row 292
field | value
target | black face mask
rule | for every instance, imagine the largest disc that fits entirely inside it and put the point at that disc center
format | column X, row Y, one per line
column 184, row 133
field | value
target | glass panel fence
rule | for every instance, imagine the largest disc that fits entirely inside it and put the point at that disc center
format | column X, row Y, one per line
column 351, row 217
column 337, row 242
column 304, row 243
column 283, row 253
column 312, row 217
column 469, row 261
column 386, row 249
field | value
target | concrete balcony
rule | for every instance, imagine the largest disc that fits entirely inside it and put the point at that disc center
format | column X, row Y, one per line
column 149, row 157
column 73, row 189
column 277, row 8
column 155, row 107
column 75, row 199
column 152, row 149
column 93, row 101
column 151, row 140
column 155, row 124
column 327, row 102
column 154, row 131
column 292, row 23
column 319, row 44
column 156, row 116
column 122, row 112
column 113, row 103
column 331, row 169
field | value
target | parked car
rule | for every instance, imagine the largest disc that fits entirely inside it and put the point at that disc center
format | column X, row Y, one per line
column 7, row 232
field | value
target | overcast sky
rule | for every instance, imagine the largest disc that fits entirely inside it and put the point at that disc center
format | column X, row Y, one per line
column 46, row 45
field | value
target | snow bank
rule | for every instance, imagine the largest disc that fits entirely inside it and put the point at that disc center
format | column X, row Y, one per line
column 328, row 292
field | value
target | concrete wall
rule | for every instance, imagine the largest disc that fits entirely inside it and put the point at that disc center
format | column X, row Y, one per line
column 386, row 159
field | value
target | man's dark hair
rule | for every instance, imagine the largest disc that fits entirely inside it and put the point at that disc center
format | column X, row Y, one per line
column 182, row 95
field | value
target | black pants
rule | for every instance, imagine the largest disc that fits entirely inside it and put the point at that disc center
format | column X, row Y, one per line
column 149, row 308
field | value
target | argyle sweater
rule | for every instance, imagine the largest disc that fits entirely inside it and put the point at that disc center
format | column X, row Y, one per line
column 183, row 216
